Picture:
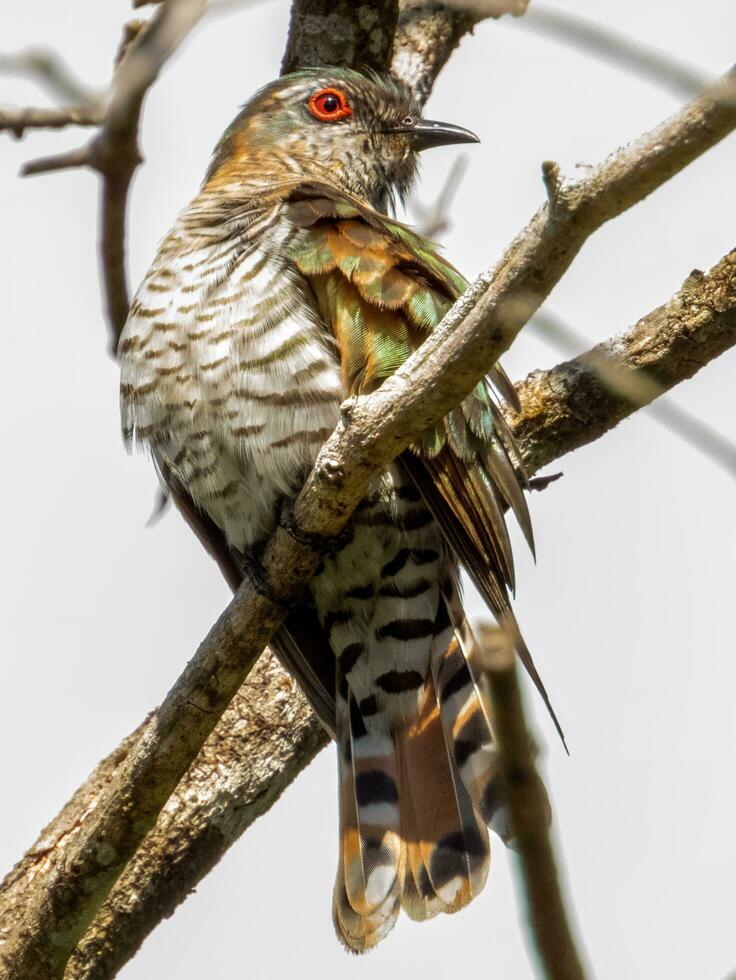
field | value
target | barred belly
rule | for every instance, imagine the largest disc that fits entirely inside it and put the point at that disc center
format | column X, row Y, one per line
column 379, row 601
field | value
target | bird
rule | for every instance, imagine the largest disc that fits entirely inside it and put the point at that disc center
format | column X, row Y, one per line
column 286, row 286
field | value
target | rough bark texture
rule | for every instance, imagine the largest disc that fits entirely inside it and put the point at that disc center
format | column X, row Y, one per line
column 341, row 32
column 48, row 851
column 428, row 33
column 263, row 741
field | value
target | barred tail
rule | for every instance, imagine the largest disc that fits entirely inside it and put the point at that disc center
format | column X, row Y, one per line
column 467, row 716
column 467, row 727
column 416, row 803
column 448, row 852
column 414, row 808
column 368, row 884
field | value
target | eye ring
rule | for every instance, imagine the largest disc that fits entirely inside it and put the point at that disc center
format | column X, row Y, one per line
column 408, row 121
column 329, row 105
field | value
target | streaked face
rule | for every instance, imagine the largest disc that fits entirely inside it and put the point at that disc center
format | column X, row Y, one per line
column 362, row 132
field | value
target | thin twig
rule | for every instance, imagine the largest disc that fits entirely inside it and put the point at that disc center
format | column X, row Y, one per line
column 71, row 160
column 434, row 221
column 552, row 180
column 526, row 798
column 480, row 9
column 17, row 121
column 50, row 71
column 616, row 48
column 476, row 331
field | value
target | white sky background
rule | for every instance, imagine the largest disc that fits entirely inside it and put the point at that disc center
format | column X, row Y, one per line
column 628, row 611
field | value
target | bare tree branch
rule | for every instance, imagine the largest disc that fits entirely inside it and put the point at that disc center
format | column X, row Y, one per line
column 639, row 388
column 38, row 862
column 427, row 35
column 265, row 738
column 429, row 32
column 374, row 429
column 581, row 399
column 17, row 121
column 550, row 931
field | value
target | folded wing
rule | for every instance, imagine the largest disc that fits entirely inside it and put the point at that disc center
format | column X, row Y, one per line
column 381, row 288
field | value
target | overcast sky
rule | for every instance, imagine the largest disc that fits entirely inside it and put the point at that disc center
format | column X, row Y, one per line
column 628, row 611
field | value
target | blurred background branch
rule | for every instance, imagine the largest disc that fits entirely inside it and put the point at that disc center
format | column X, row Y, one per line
column 52, row 73
column 617, row 49
column 19, row 120
column 434, row 220
column 548, row 922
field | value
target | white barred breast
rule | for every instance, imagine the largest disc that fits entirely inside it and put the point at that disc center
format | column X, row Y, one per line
column 227, row 372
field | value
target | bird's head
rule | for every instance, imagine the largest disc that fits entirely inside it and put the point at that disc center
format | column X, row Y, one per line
column 360, row 132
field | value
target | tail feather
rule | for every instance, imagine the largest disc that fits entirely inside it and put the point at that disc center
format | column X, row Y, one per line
column 451, row 865
column 359, row 933
column 467, row 729
column 467, row 718
column 419, row 907
column 416, row 801
column 367, row 888
column 418, row 897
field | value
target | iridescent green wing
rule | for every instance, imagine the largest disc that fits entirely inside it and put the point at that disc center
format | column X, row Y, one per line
column 382, row 289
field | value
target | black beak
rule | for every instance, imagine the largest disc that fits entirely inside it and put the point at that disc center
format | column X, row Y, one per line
column 423, row 134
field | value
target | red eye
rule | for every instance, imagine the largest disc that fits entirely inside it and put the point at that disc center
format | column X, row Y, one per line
column 329, row 105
